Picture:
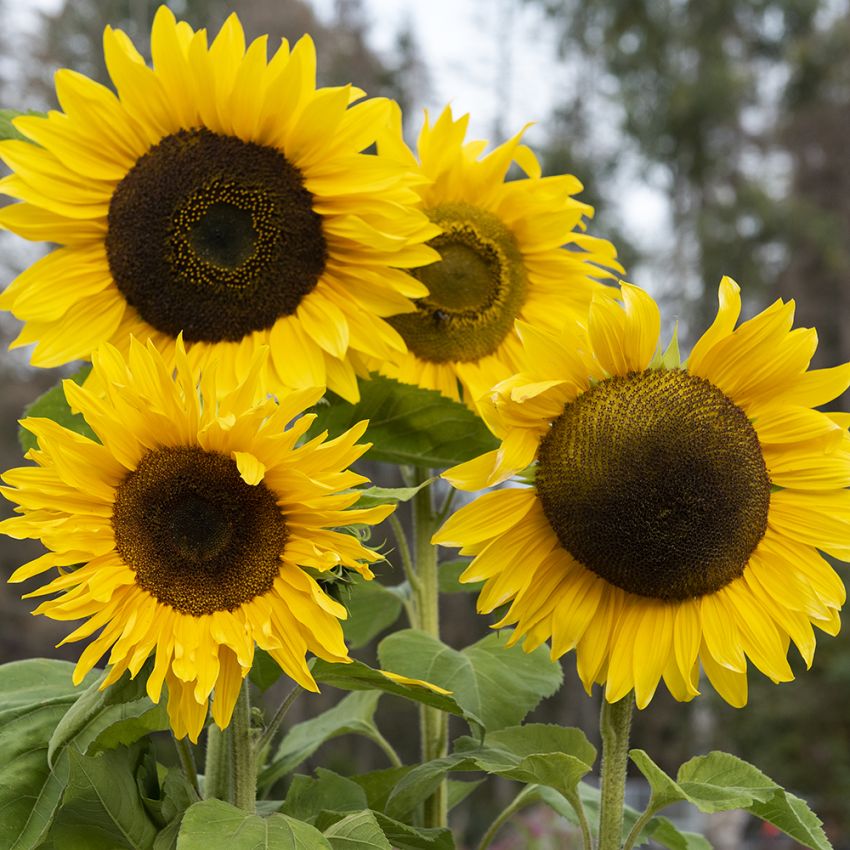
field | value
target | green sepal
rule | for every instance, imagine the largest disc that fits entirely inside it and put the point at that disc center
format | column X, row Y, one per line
column 407, row 424
column 495, row 684
column 53, row 405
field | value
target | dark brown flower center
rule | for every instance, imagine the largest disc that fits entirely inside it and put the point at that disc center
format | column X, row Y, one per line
column 214, row 237
column 198, row 537
column 656, row 482
column 476, row 289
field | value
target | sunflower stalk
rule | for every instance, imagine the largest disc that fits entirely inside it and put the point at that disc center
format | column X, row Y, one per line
column 615, row 721
column 217, row 765
column 242, row 757
column 433, row 722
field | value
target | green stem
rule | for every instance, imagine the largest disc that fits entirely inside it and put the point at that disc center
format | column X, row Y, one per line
column 376, row 737
column 640, row 825
column 217, row 766
column 584, row 826
column 274, row 724
column 433, row 722
column 404, row 551
column 525, row 798
column 242, row 754
column 187, row 761
column 614, row 724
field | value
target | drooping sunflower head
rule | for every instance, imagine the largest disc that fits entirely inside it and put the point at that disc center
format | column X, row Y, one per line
column 508, row 250
column 679, row 512
column 220, row 195
column 192, row 531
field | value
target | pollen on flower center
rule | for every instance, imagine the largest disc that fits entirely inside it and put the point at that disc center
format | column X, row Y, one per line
column 656, row 482
column 198, row 537
column 476, row 289
column 214, row 237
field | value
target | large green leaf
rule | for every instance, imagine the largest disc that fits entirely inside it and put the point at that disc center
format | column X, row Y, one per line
column 718, row 782
column 310, row 796
column 359, row 831
column 104, row 719
column 408, row 425
column 496, row 684
column 101, row 807
column 354, row 714
column 372, row 608
column 406, row 837
column 34, row 695
column 360, row 677
column 52, row 405
column 215, row 825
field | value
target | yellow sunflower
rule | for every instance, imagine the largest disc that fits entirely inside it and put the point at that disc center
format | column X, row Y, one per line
column 678, row 512
column 508, row 250
column 185, row 532
column 222, row 195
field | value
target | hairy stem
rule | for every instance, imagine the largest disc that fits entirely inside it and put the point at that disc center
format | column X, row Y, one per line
column 614, row 723
column 280, row 715
column 217, row 766
column 187, row 761
column 243, row 763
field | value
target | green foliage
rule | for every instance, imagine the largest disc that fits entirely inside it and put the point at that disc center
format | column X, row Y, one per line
column 53, row 405
column 497, row 685
column 360, row 677
column 450, row 572
column 372, row 496
column 7, row 128
column 101, row 809
column 354, row 714
column 719, row 781
column 34, row 695
column 372, row 608
column 359, row 831
column 104, row 719
column 408, row 425
column 215, row 825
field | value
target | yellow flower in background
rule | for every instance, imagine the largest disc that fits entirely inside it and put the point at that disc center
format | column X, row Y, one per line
column 678, row 513
column 185, row 532
column 222, row 195
column 509, row 250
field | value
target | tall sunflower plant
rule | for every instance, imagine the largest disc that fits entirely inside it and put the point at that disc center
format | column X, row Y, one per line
column 277, row 300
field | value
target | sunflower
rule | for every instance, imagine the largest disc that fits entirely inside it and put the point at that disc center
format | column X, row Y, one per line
column 192, row 530
column 508, row 250
column 678, row 512
column 222, row 195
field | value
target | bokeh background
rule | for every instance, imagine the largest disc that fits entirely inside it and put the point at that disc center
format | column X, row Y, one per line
column 712, row 137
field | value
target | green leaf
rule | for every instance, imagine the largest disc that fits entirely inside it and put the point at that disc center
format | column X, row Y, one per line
column 309, row 796
column 215, row 825
column 666, row 833
column 101, row 809
column 101, row 720
column 52, row 405
column 793, row 816
column 719, row 781
column 404, row 837
column 372, row 607
column 498, row 685
column 359, row 831
column 373, row 496
column 664, row 789
column 360, row 677
column 34, row 695
column 352, row 715
column 408, row 425
column 449, row 577
column 378, row 784
column 7, row 129
column 265, row 671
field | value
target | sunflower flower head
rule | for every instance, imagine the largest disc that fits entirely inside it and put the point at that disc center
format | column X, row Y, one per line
column 219, row 194
column 193, row 530
column 678, row 513
column 508, row 250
